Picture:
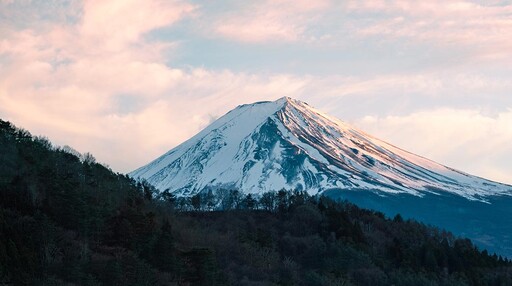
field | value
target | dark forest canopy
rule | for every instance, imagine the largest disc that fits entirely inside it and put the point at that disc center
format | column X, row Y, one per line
column 65, row 219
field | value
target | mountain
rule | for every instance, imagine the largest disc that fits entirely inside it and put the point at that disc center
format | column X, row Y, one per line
column 268, row 146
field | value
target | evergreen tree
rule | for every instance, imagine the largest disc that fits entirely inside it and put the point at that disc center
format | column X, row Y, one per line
column 164, row 253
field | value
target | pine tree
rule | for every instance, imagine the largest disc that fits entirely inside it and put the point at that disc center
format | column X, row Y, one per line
column 164, row 254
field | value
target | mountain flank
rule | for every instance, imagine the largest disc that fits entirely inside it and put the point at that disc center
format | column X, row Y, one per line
column 264, row 146
column 287, row 144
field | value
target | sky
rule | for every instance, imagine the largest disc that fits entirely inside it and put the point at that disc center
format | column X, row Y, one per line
column 128, row 80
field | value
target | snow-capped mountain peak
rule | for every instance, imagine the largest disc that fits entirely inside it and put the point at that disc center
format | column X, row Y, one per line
column 285, row 143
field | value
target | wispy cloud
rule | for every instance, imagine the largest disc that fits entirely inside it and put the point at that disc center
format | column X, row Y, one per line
column 466, row 139
column 269, row 21
column 484, row 28
column 482, row 31
column 106, row 22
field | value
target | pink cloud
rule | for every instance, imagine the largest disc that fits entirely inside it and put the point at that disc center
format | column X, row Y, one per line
column 260, row 29
column 283, row 21
column 68, row 81
column 464, row 139
column 484, row 29
column 63, row 79
column 117, row 23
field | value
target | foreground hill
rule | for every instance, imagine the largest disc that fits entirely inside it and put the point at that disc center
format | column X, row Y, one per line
column 66, row 220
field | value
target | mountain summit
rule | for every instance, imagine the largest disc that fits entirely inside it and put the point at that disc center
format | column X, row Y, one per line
column 286, row 143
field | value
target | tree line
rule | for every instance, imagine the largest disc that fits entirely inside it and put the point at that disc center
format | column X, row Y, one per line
column 67, row 220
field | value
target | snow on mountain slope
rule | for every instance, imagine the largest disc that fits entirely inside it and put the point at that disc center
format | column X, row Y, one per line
column 288, row 144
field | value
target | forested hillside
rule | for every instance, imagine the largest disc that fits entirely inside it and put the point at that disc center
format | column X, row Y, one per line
column 65, row 219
